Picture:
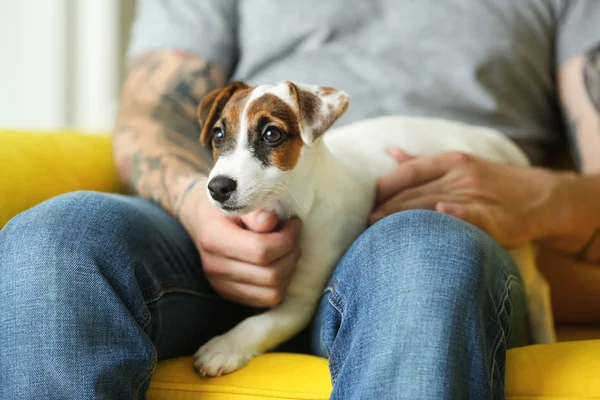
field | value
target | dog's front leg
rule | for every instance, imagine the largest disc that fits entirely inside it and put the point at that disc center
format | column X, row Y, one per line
column 258, row 334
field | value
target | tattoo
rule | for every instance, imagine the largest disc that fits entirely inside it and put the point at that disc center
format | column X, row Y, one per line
column 185, row 192
column 571, row 124
column 591, row 76
column 157, row 134
column 141, row 166
column 591, row 81
column 179, row 103
column 583, row 254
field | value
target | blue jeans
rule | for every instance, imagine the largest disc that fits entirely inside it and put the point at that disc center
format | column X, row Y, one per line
column 95, row 288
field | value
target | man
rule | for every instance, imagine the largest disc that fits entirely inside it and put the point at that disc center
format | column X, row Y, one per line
column 95, row 287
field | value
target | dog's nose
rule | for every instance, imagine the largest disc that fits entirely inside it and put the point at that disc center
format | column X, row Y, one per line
column 221, row 187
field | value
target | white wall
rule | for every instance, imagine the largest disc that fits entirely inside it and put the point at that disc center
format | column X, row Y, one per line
column 33, row 67
column 96, row 63
column 61, row 63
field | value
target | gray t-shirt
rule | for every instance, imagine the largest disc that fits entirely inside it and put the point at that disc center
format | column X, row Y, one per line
column 486, row 62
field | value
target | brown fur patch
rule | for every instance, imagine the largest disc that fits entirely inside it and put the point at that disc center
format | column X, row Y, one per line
column 309, row 108
column 230, row 120
column 271, row 109
column 286, row 156
column 212, row 106
column 325, row 91
column 308, row 104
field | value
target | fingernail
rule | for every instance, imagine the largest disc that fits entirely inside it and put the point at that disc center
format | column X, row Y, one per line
column 263, row 216
column 393, row 151
column 445, row 208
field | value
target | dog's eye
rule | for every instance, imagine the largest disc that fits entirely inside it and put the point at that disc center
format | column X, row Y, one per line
column 272, row 135
column 218, row 137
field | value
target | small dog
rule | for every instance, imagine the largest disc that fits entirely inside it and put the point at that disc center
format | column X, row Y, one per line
column 271, row 152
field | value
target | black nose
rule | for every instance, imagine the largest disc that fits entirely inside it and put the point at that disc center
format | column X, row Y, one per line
column 221, row 187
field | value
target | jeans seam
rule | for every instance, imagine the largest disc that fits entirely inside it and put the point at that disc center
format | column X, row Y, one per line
column 332, row 287
column 146, row 375
column 153, row 287
column 501, row 309
column 144, row 320
column 336, row 302
column 332, row 302
column 155, row 292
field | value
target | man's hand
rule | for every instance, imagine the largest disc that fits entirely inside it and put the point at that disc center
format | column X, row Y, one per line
column 245, row 260
column 513, row 204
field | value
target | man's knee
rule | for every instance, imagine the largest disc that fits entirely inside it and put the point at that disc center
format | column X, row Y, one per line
column 72, row 232
column 76, row 221
column 417, row 250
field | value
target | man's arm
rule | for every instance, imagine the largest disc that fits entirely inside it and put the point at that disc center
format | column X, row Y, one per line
column 579, row 91
column 156, row 136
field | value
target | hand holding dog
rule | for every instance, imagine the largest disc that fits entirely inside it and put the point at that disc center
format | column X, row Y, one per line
column 244, row 260
column 513, row 204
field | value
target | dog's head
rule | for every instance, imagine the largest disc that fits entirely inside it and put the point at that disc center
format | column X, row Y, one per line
column 259, row 136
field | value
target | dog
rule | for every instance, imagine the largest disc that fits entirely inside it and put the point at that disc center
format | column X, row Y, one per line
column 271, row 152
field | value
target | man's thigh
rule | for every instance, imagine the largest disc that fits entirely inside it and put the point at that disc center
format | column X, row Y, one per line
column 144, row 254
column 428, row 297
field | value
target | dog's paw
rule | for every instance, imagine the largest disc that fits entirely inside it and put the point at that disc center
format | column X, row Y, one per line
column 220, row 356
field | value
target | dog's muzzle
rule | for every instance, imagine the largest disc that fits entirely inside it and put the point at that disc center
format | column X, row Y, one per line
column 221, row 187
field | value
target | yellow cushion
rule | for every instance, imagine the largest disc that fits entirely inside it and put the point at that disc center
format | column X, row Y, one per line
column 568, row 370
column 37, row 166
column 270, row 376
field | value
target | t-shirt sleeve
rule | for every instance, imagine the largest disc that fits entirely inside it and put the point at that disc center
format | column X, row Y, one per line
column 578, row 28
column 203, row 27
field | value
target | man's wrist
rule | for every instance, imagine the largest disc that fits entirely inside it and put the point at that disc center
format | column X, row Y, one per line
column 183, row 191
column 192, row 199
column 188, row 186
column 574, row 216
column 562, row 210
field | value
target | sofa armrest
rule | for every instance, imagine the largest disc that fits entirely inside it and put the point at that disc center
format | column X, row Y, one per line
column 35, row 166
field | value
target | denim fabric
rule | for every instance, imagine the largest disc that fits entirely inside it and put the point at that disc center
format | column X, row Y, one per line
column 95, row 288
column 422, row 306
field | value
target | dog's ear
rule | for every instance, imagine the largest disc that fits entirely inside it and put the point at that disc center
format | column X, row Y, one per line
column 318, row 107
column 211, row 107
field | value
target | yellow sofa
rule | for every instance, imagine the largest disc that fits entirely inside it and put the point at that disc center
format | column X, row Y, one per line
column 40, row 165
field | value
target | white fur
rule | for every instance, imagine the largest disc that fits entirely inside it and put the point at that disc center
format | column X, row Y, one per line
column 332, row 191
column 251, row 177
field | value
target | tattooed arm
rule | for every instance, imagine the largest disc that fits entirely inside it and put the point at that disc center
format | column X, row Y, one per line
column 156, row 136
column 579, row 90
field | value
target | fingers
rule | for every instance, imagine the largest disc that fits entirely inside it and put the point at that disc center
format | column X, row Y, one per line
column 473, row 213
column 399, row 154
column 434, row 188
column 276, row 275
column 250, row 284
column 456, row 210
column 250, row 295
column 227, row 239
column 420, row 203
column 418, row 197
column 261, row 221
column 416, row 171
